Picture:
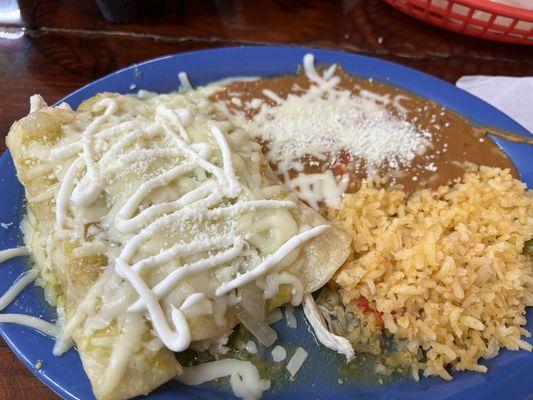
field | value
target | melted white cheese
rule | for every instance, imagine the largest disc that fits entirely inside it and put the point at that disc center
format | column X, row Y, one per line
column 36, row 103
column 17, row 287
column 24, row 280
column 184, row 81
column 296, row 361
column 32, row 322
column 251, row 347
column 278, row 354
column 62, row 345
column 274, row 316
column 263, row 268
column 319, row 188
column 125, row 345
column 273, row 281
column 244, row 377
column 86, row 179
column 12, row 253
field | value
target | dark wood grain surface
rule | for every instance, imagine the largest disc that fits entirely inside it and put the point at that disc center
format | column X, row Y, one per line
column 52, row 47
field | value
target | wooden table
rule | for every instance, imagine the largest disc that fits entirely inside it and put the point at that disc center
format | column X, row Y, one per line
column 52, row 47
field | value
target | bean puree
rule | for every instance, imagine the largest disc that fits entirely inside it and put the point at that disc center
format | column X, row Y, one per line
column 456, row 142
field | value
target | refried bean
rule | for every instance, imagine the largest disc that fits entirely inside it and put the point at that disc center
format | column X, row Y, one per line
column 456, row 142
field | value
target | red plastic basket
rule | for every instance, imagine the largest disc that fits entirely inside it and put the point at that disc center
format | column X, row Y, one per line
column 480, row 18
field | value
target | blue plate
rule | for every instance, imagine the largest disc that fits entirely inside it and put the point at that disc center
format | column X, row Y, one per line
column 509, row 374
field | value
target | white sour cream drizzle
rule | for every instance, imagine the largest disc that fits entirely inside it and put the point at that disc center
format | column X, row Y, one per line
column 191, row 301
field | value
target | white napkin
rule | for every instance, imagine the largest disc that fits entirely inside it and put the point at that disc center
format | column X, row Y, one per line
column 527, row 4
column 513, row 96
